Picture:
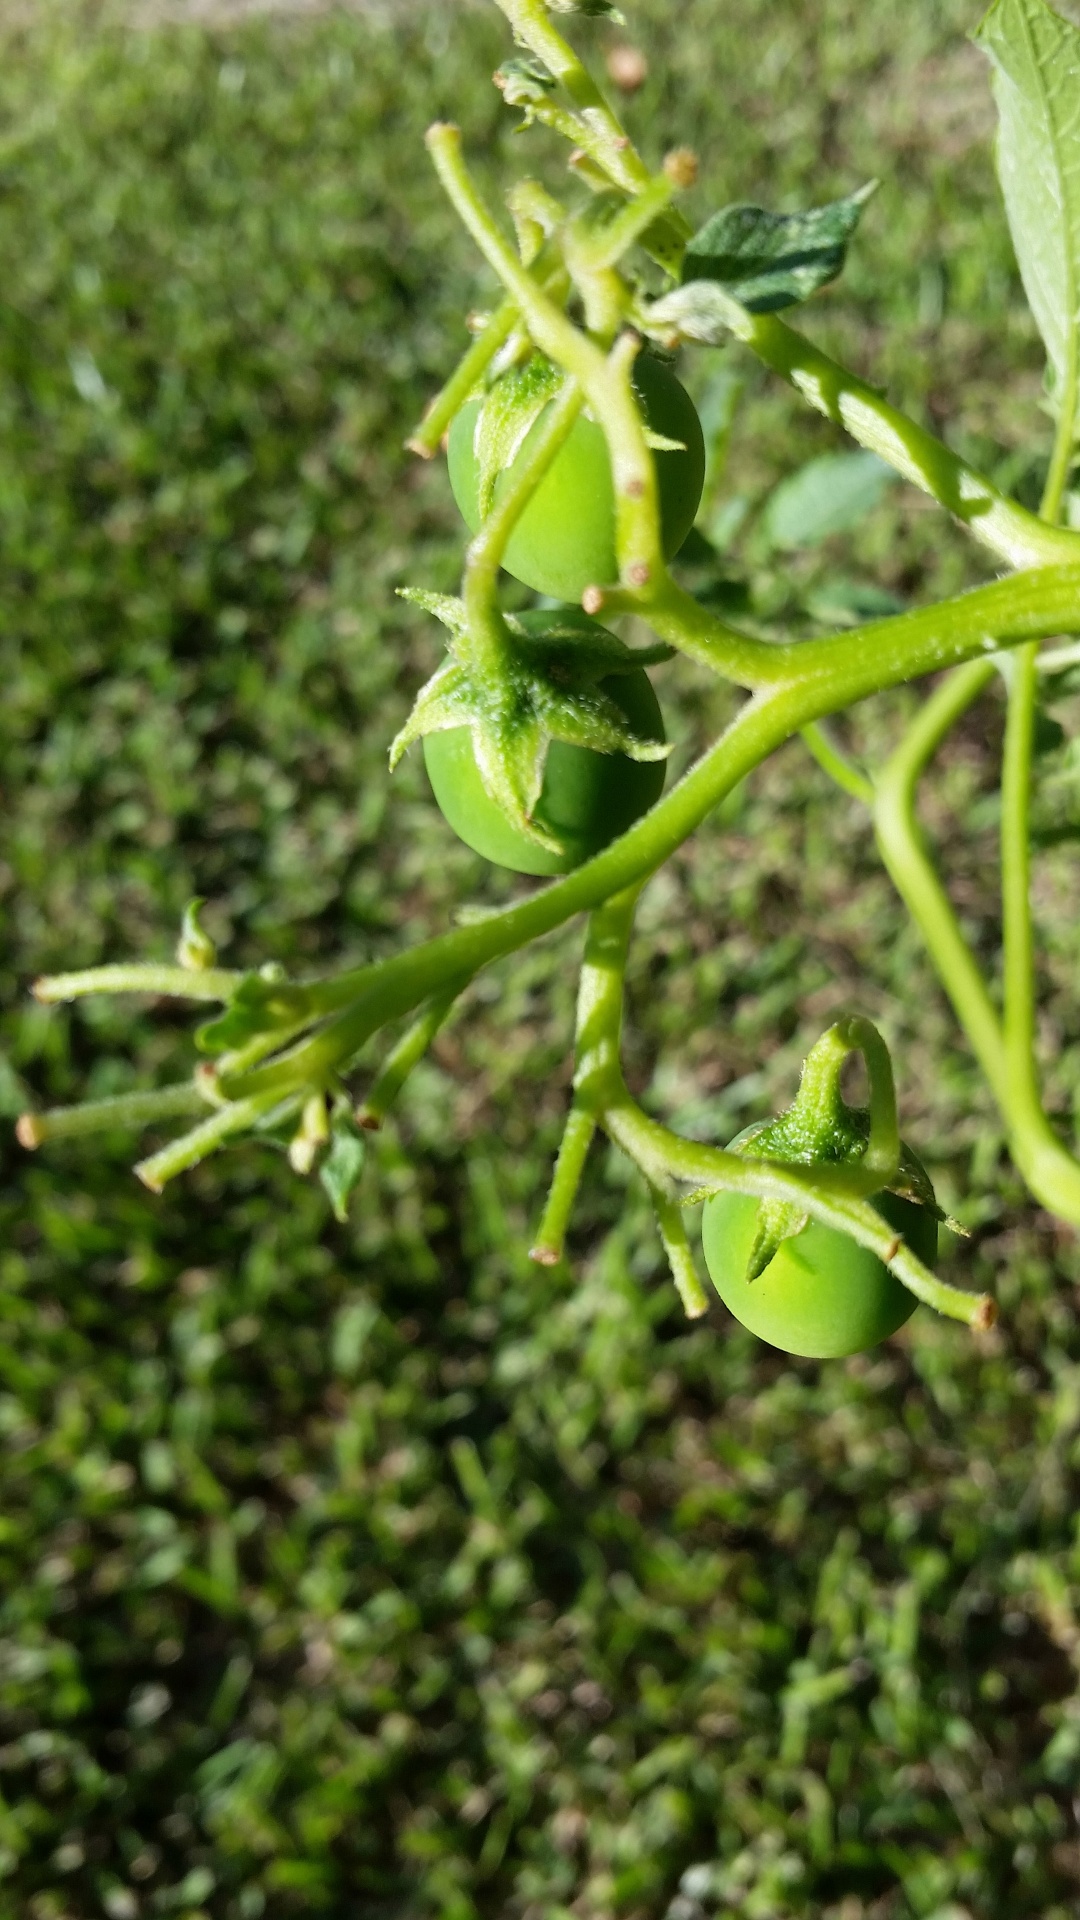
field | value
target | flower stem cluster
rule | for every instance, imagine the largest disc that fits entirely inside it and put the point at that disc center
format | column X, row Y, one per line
column 281, row 1055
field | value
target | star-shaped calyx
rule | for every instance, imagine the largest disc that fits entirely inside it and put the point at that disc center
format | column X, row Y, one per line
column 550, row 688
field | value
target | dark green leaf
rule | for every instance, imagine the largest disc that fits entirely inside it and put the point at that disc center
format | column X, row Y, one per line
column 342, row 1167
column 772, row 260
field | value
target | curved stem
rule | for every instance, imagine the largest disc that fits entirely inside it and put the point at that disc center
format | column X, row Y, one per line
column 1019, row 943
column 903, row 850
column 990, row 516
column 837, row 765
column 822, row 1192
column 1049, row 1170
column 819, row 1099
column 605, row 381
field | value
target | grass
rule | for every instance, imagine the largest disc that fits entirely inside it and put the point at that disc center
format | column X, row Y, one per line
column 369, row 1570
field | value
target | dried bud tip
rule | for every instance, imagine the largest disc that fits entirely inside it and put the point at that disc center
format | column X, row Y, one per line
column 592, row 600
column 421, row 447
column 370, row 1122
column 545, row 1256
column 681, row 167
column 627, row 68
column 635, row 488
column 986, row 1315
column 26, row 1132
column 40, row 991
column 149, row 1182
column 639, row 575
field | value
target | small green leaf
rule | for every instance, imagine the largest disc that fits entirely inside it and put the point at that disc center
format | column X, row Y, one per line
column 772, row 260
column 839, row 602
column 251, row 1010
column 342, row 1167
column 194, row 950
column 826, row 496
column 1036, row 59
column 524, row 81
column 510, row 408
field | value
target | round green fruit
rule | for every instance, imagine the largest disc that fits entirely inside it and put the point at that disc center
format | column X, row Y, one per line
column 821, row 1295
column 586, row 800
column 565, row 539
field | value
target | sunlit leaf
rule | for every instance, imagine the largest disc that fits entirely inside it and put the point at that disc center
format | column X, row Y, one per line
column 1036, row 59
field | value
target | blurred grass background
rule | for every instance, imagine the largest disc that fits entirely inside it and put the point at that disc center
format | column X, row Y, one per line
column 371, row 1571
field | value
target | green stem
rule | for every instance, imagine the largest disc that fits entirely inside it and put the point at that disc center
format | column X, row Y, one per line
column 197, row 1145
column 408, row 1053
column 566, row 1180
column 1051, row 1173
column 684, row 1271
column 487, row 642
column 837, row 765
column 134, row 1110
column 840, row 673
column 819, row 1191
column 604, row 380
column 1064, row 453
column 174, row 983
column 990, row 516
column 903, row 850
column 446, row 405
column 596, row 126
column 677, row 617
column 819, row 1097
column 1019, row 943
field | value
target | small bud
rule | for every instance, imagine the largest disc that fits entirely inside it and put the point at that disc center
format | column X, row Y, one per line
column 194, row 950
column 635, row 488
column 312, row 1134
column 639, row 575
column 544, row 1256
column 681, row 167
column 592, row 600
column 627, row 68
column 26, row 1132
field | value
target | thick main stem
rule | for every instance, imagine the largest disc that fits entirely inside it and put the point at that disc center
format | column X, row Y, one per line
column 839, row 674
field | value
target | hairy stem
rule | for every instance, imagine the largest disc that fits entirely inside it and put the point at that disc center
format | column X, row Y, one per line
column 605, row 381
column 990, row 516
column 447, row 404
column 174, row 983
column 823, row 1192
column 135, row 1110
